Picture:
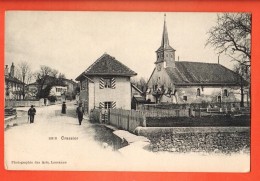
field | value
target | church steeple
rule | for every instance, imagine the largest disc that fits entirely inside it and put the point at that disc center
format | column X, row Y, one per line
column 165, row 39
column 165, row 53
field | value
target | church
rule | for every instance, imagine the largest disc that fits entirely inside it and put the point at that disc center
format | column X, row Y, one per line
column 191, row 82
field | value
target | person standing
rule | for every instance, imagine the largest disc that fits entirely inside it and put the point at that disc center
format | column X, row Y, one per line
column 80, row 112
column 63, row 108
column 31, row 113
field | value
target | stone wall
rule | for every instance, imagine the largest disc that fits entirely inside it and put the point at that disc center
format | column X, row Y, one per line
column 205, row 140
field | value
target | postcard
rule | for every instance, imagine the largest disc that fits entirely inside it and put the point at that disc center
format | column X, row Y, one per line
column 127, row 91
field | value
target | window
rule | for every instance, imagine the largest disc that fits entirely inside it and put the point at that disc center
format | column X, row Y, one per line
column 225, row 92
column 185, row 98
column 107, row 82
column 107, row 105
column 198, row 92
column 219, row 98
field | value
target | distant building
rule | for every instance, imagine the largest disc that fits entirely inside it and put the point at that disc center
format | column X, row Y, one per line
column 106, row 84
column 13, row 86
column 137, row 97
column 190, row 82
column 60, row 87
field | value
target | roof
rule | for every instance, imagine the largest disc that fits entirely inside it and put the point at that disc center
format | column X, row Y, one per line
column 136, row 88
column 139, row 99
column 197, row 73
column 13, row 79
column 107, row 65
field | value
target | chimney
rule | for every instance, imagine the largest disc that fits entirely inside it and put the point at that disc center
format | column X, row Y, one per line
column 6, row 70
column 218, row 58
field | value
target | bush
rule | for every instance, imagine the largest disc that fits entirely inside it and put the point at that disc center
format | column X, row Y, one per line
column 52, row 98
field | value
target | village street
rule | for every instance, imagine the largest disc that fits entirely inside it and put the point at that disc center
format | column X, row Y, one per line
column 40, row 146
column 45, row 141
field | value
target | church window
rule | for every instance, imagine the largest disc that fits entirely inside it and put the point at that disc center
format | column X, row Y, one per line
column 219, row 98
column 225, row 92
column 185, row 98
column 198, row 92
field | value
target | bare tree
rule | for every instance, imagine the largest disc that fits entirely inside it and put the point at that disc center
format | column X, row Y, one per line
column 243, row 72
column 24, row 74
column 232, row 35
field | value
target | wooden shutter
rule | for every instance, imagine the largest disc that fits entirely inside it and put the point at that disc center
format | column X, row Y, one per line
column 101, row 83
column 113, row 83
column 113, row 105
column 101, row 105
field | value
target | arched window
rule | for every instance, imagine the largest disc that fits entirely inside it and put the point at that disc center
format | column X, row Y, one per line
column 219, row 98
column 225, row 92
column 198, row 92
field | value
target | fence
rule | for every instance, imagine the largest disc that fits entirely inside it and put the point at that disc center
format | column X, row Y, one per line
column 126, row 119
column 130, row 119
column 185, row 110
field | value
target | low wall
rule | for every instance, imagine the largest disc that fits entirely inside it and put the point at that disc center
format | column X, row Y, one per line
column 197, row 139
column 26, row 103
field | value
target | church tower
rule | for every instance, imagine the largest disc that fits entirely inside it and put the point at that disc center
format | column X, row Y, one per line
column 165, row 54
column 12, row 70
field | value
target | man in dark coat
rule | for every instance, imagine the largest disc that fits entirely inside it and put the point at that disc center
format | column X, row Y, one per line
column 63, row 108
column 31, row 113
column 80, row 112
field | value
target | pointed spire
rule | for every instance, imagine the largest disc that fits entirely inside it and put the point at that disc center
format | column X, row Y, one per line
column 165, row 39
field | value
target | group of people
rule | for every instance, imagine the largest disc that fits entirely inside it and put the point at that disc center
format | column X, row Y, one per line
column 80, row 112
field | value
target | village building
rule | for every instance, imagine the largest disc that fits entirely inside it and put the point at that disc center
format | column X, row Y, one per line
column 191, row 82
column 137, row 97
column 106, row 84
column 60, row 87
column 13, row 86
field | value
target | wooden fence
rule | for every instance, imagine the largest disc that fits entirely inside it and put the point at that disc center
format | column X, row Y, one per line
column 126, row 119
column 167, row 113
column 130, row 119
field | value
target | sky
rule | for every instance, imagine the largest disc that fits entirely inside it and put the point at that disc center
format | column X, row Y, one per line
column 70, row 41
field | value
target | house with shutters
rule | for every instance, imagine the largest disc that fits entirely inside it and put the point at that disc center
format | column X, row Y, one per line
column 106, row 84
column 191, row 82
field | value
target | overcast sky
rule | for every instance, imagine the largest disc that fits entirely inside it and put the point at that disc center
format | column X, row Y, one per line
column 72, row 41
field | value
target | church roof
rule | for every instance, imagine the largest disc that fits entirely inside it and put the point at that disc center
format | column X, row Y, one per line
column 197, row 73
column 107, row 65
